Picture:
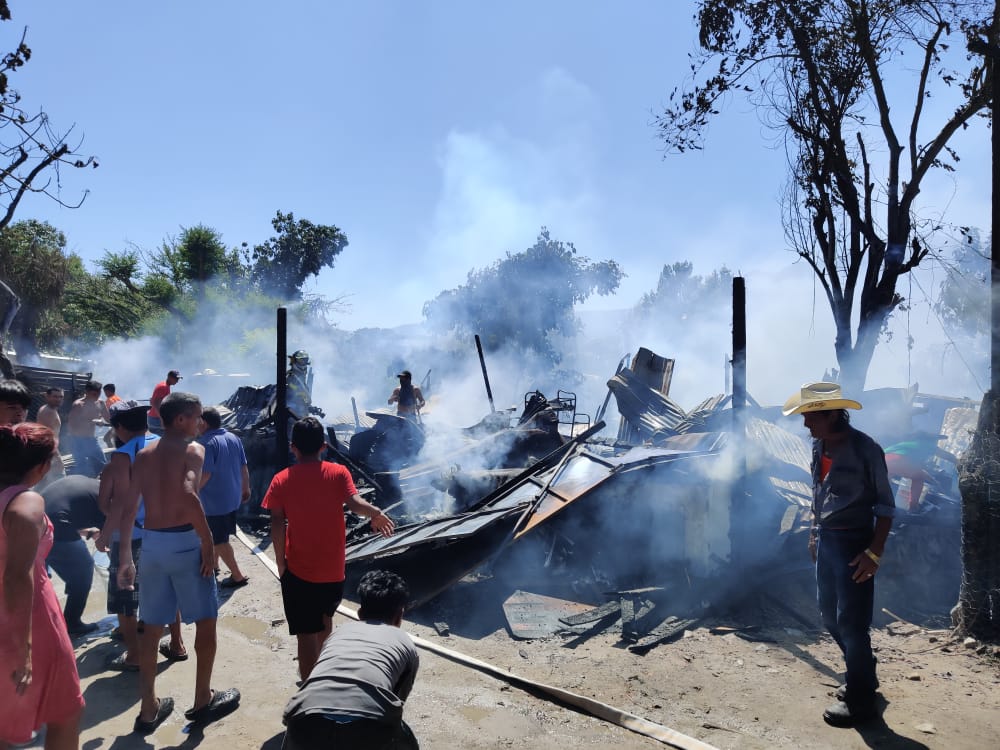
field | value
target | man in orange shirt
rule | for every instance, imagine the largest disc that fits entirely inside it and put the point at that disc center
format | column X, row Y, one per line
column 309, row 536
column 160, row 392
column 110, row 396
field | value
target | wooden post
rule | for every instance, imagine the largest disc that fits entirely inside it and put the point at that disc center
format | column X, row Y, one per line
column 737, row 503
column 281, row 395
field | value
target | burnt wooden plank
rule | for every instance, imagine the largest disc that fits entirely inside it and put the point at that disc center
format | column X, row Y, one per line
column 666, row 630
column 598, row 613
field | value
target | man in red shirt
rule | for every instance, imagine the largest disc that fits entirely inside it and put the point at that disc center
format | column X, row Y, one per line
column 160, row 392
column 309, row 536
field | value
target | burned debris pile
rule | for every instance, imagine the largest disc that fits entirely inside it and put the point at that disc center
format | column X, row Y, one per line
column 654, row 509
column 642, row 529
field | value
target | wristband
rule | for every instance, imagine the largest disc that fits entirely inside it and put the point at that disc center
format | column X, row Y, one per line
column 873, row 557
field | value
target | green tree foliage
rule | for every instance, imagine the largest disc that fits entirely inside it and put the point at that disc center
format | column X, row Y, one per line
column 31, row 150
column 300, row 249
column 522, row 299
column 679, row 292
column 819, row 70
column 114, row 302
column 35, row 267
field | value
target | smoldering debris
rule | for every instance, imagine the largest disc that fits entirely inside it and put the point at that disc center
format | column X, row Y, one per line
column 540, row 503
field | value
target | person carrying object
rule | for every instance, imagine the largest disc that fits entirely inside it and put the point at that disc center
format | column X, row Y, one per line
column 407, row 397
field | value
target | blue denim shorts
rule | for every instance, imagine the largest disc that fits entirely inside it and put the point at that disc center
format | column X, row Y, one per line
column 172, row 579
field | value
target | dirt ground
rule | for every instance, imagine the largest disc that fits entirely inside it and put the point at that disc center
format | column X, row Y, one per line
column 721, row 689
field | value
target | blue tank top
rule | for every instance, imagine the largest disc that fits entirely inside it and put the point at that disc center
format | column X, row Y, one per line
column 130, row 449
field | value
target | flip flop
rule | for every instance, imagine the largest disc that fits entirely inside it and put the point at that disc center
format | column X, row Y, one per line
column 222, row 703
column 119, row 664
column 164, row 707
column 231, row 583
column 170, row 655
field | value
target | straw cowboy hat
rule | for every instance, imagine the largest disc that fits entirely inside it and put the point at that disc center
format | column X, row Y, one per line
column 818, row 397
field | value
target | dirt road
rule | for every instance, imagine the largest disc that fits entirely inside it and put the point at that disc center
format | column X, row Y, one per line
column 723, row 690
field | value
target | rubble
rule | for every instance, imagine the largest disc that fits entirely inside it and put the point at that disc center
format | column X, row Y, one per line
column 660, row 492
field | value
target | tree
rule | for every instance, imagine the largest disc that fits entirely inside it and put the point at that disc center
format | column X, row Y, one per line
column 114, row 302
column 524, row 298
column 679, row 292
column 30, row 148
column 281, row 265
column 821, row 72
column 964, row 297
column 35, row 267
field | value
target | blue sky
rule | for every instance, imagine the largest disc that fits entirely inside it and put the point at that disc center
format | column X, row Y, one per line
column 437, row 135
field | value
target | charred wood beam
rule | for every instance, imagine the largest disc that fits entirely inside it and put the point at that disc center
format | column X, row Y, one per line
column 593, row 615
column 669, row 628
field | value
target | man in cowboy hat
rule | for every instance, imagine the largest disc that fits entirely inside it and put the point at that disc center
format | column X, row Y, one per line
column 852, row 510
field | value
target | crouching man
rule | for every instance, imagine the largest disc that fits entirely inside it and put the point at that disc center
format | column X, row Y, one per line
column 354, row 695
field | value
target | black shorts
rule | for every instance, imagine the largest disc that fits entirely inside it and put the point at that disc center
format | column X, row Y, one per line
column 306, row 603
column 222, row 527
column 120, row 601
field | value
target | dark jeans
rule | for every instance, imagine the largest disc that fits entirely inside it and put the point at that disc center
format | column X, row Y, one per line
column 318, row 733
column 846, row 607
column 72, row 562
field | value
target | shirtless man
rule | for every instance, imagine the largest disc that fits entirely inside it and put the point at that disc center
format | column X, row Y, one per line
column 129, row 426
column 407, row 397
column 87, row 413
column 178, row 561
column 48, row 415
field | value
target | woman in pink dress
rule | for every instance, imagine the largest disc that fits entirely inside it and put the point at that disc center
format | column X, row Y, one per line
column 39, row 683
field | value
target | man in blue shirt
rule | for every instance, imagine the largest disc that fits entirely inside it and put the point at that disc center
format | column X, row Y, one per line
column 225, row 485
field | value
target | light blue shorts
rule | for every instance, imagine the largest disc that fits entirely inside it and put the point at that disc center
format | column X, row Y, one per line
column 172, row 579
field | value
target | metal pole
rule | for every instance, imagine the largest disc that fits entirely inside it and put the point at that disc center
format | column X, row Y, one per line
column 486, row 378
column 281, row 395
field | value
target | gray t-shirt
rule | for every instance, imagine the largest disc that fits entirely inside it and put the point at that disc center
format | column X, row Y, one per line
column 366, row 670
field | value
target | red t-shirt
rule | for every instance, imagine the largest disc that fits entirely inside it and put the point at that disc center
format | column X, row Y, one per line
column 161, row 391
column 312, row 497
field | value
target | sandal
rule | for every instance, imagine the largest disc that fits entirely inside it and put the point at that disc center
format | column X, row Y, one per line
column 222, row 703
column 164, row 707
column 172, row 655
column 119, row 664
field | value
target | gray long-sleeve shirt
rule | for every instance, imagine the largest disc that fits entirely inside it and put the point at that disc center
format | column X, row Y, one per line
column 856, row 489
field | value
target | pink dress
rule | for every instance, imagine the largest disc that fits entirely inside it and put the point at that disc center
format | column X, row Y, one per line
column 54, row 693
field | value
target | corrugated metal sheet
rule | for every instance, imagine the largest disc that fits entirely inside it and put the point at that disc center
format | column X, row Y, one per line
column 441, row 530
column 345, row 422
column 647, row 410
